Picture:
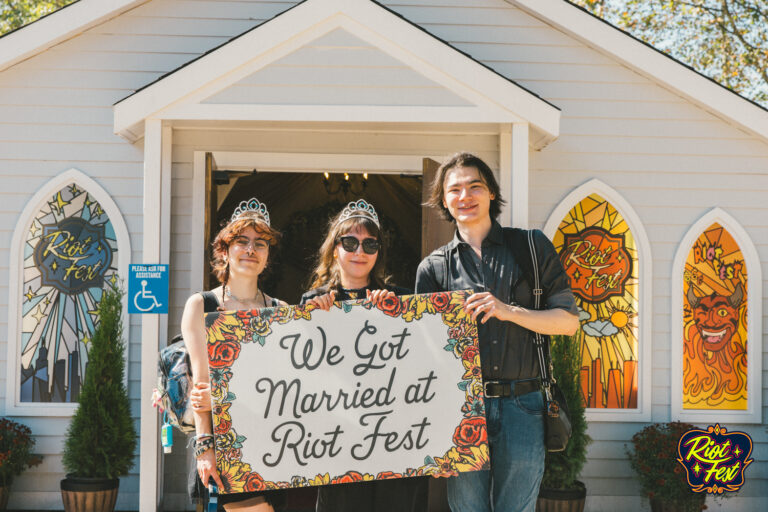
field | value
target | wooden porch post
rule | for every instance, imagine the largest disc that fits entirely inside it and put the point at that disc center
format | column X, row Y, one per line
column 513, row 174
column 155, row 249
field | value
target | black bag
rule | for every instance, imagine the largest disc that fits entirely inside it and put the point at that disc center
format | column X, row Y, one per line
column 557, row 425
column 174, row 380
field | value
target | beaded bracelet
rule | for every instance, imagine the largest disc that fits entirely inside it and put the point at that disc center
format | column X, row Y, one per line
column 203, row 444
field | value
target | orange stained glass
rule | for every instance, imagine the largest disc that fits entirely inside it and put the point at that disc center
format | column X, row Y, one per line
column 715, row 323
column 599, row 254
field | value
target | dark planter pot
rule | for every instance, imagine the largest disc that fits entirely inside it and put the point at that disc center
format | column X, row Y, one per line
column 562, row 500
column 89, row 494
column 691, row 505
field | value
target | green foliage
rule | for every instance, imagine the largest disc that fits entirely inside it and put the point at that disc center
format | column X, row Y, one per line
column 654, row 459
column 15, row 13
column 16, row 444
column 101, row 438
column 726, row 40
column 561, row 469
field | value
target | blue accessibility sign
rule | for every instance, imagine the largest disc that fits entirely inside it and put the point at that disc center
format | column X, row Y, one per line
column 148, row 289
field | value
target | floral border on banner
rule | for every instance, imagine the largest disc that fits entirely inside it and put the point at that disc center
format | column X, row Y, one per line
column 470, row 440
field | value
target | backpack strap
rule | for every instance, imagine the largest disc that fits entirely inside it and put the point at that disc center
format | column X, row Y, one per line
column 210, row 302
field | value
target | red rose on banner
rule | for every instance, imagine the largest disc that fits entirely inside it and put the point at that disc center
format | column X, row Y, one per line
column 348, row 477
column 254, row 482
column 470, row 352
column 223, row 353
column 387, row 475
column 391, row 306
column 223, row 426
column 441, row 301
column 471, row 432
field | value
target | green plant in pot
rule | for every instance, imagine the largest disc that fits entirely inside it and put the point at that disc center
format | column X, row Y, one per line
column 16, row 444
column 662, row 477
column 101, row 438
column 560, row 489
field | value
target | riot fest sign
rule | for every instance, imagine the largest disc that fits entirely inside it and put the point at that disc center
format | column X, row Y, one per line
column 307, row 397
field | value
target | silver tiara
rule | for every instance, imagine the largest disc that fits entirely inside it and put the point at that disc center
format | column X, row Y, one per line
column 251, row 206
column 361, row 209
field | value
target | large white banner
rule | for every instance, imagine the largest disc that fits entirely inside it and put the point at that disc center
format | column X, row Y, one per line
column 308, row 397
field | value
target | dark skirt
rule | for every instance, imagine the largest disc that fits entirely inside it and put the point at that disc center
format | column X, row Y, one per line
column 400, row 494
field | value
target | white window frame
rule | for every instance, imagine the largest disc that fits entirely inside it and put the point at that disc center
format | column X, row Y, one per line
column 753, row 413
column 645, row 312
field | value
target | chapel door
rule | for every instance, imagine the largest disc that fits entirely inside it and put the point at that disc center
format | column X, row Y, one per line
column 435, row 231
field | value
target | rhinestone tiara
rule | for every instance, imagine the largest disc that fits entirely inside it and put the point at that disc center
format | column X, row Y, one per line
column 362, row 209
column 251, row 207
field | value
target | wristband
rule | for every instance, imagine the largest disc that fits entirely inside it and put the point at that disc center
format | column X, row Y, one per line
column 203, row 445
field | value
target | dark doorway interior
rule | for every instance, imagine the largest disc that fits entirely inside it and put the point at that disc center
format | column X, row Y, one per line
column 300, row 206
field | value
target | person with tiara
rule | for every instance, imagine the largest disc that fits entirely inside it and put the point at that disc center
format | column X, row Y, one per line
column 240, row 255
column 351, row 265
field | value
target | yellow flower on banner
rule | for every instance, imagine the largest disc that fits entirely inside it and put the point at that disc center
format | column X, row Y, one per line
column 235, row 473
column 321, row 480
column 476, row 459
column 472, row 368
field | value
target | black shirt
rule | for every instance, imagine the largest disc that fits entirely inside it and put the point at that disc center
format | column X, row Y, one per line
column 506, row 349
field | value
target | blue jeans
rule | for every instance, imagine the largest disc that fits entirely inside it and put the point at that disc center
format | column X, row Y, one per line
column 516, row 439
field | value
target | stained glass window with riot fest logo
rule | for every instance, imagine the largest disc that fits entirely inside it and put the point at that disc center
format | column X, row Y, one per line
column 70, row 251
column 715, row 323
column 599, row 254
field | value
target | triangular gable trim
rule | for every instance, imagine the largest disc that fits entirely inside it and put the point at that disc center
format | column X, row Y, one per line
column 644, row 58
column 179, row 93
column 58, row 26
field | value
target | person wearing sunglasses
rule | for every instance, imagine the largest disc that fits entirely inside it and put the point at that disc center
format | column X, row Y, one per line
column 350, row 265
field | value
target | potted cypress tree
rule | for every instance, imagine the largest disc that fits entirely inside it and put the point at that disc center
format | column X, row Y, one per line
column 560, row 490
column 101, row 438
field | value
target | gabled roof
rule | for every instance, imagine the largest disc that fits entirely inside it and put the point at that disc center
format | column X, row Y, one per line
column 69, row 21
column 430, row 81
column 647, row 60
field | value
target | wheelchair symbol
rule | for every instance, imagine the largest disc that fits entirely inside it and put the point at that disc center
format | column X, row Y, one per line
column 145, row 295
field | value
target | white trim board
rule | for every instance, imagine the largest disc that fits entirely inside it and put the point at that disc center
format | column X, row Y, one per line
column 491, row 97
column 649, row 62
column 15, row 285
column 753, row 413
column 59, row 26
column 645, row 311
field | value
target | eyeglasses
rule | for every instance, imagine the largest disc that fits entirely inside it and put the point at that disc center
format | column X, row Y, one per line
column 243, row 242
column 351, row 243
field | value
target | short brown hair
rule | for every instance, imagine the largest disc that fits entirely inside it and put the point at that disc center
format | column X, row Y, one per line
column 464, row 159
column 232, row 230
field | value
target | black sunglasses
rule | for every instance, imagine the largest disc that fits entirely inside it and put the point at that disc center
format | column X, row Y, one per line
column 351, row 243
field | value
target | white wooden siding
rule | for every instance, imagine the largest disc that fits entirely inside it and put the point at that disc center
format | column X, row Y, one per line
column 662, row 153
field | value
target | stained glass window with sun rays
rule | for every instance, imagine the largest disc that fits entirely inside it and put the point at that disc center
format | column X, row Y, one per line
column 599, row 254
column 70, row 251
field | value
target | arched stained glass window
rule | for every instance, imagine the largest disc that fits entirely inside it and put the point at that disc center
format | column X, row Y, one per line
column 70, row 242
column 599, row 254
column 715, row 323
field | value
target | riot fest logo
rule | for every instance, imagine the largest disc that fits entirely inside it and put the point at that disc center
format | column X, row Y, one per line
column 715, row 459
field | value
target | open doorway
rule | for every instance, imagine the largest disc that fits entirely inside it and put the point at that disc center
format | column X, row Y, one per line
column 300, row 206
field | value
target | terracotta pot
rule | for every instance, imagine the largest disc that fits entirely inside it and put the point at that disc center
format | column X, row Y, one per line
column 562, row 500
column 691, row 505
column 89, row 494
column 4, row 494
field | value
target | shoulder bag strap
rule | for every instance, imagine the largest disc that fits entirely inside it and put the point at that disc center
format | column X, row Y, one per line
column 541, row 342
